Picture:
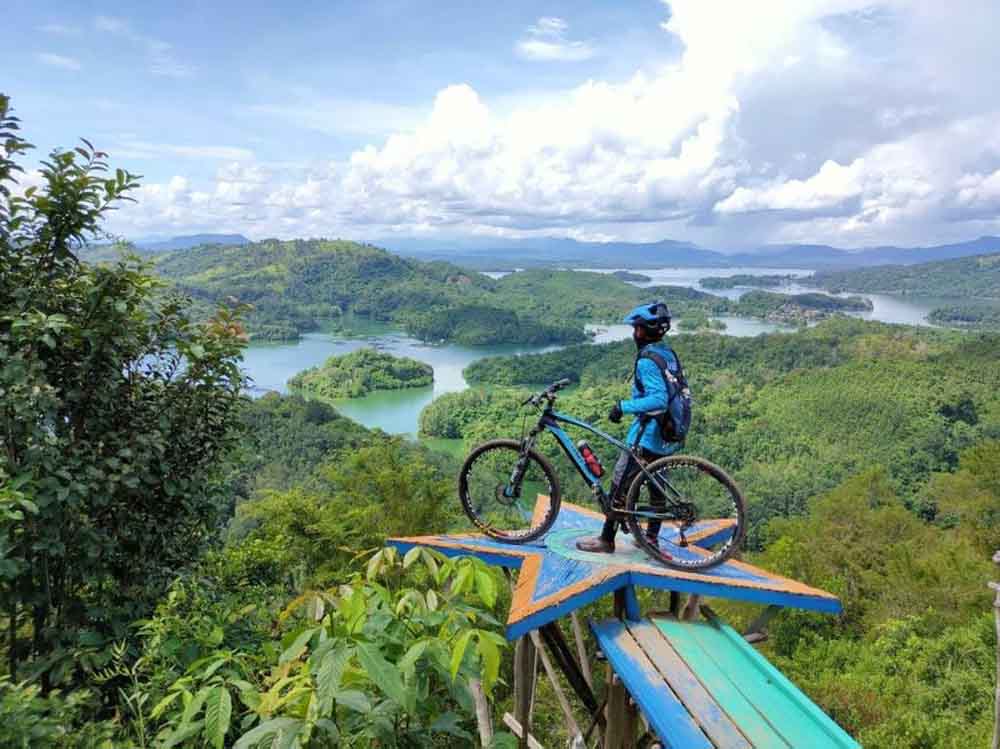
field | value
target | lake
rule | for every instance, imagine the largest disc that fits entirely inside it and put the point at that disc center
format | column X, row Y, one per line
column 397, row 411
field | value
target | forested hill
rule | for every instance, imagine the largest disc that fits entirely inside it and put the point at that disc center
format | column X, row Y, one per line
column 977, row 276
column 299, row 285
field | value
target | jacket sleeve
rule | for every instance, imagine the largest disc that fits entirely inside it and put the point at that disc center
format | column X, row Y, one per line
column 656, row 396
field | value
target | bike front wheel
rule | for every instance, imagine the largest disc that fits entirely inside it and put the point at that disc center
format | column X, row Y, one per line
column 511, row 494
column 693, row 518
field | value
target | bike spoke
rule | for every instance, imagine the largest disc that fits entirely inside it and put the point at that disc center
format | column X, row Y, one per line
column 500, row 487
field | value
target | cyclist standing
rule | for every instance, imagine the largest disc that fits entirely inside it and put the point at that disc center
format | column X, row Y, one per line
column 650, row 395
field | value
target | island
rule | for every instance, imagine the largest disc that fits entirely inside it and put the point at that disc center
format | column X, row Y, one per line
column 359, row 373
column 796, row 309
column 630, row 277
column 981, row 315
column 745, row 279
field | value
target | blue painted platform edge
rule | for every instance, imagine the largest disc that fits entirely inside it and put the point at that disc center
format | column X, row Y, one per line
column 668, row 717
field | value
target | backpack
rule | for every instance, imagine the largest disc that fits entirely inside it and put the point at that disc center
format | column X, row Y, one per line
column 675, row 420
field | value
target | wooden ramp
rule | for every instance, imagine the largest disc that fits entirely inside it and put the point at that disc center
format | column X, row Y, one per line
column 702, row 686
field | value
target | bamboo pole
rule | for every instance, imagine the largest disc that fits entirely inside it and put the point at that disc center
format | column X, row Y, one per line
column 996, row 703
column 524, row 686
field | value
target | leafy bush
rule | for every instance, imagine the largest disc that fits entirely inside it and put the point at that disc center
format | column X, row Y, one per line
column 116, row 409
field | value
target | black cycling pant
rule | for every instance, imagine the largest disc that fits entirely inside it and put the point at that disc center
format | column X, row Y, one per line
column 626, row 469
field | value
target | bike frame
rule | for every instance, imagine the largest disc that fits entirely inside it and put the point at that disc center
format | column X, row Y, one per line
column 549, row 422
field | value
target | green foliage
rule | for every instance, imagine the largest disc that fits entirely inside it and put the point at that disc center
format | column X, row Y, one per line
column 906, row 686
column 795, row 308
column 625, row 275
column 973, row 315
column 30, row 720
column 743, row 279
column 287, row 437
column 115, row 409
column 974, row 276
column 361, row 372
column 383, row 660
column 451, row 414
column 300, row 285
column 359, row 498
column 790, row 416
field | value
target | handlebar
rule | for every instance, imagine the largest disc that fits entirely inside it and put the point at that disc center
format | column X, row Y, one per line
column 548, row 393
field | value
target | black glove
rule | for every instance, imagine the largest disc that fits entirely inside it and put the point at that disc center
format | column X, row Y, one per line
column 615, row 415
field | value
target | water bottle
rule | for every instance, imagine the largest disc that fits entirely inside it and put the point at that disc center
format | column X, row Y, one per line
column 590, row 458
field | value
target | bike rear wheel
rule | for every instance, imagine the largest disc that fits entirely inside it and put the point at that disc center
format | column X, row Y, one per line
column 701, row 512
column 510, row 494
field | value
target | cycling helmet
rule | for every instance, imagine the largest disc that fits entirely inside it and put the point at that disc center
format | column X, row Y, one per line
column 654, row 316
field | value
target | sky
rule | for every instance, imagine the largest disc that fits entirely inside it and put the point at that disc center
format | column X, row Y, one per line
column 722, row 122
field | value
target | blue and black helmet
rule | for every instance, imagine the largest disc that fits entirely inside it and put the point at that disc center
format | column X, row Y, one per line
column 655, row 316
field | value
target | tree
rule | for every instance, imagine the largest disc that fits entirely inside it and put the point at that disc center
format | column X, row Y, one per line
column 115, row 407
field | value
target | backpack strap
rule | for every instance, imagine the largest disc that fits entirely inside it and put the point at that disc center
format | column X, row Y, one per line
column 674, row 382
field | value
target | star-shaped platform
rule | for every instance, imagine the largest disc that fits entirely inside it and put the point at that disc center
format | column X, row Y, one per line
column 556, row 578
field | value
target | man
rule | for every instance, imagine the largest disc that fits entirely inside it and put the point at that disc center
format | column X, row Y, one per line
column 650, row 393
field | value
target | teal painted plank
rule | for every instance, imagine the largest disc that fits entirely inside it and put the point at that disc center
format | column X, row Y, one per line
column 837, row 735
column 799, row 721
column 699, row 703
column 756, row 727
column 665, row 713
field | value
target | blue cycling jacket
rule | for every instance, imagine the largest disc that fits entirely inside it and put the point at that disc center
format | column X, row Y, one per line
column 655, row 398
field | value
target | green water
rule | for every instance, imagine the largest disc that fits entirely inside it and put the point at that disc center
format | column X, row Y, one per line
column 271, row 365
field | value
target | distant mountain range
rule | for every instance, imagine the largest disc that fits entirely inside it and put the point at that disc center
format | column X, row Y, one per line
column 505, row 254
column 555, row 252
column 189, row 240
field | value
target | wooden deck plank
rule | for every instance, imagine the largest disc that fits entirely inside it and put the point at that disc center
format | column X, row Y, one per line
column 835, row 735
column 775, row 699
column 761, row 733
column 699, row 703
column 665, row 713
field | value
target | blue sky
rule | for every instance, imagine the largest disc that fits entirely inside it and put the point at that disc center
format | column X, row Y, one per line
column 726, row 123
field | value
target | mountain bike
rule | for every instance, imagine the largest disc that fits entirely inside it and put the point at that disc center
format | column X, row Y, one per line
column 511, row 493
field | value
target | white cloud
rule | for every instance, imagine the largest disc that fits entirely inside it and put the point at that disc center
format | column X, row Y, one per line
column 59, row 61
column 137, row 149
column 812, row 120
column 313, row 110
column 111, row 25
column 546, row 40
column 59, row 29
column 160, row 57
column 829, row 187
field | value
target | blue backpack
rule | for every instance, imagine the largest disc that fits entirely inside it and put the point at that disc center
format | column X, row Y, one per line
column 675, row 420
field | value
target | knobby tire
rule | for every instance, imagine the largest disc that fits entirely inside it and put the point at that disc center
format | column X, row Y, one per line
column 709, row 468
column 555, row 497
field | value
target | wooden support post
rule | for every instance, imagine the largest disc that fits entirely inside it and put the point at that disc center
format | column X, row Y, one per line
column 524, row 686
column 616, row 736
column 675, row 603
column 564, row 660
column 757, row 631
column 581, row 649
column 571, row 726
column 627, row 604
column 631, row 723
column 518, row 731
column 692, row 608
column 996, row 704
column 484, row 719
